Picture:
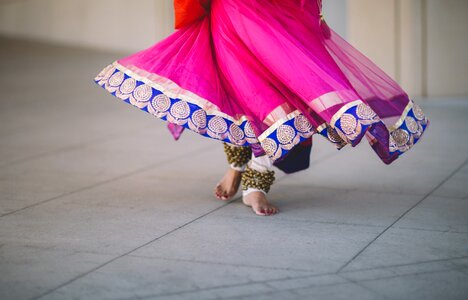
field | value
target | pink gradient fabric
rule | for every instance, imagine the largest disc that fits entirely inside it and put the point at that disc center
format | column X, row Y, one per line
column 266, row 61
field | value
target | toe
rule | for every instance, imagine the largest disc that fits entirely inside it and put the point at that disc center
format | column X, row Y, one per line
column 271, row 210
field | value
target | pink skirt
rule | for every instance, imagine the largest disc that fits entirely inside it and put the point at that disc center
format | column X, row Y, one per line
column 268, row 74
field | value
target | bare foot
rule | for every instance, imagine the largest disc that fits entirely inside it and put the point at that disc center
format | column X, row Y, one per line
column 259, row 204
column 228, row 185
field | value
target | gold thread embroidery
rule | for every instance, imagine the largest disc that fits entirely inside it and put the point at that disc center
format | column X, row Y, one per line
column 217, row 125
column 285, row 134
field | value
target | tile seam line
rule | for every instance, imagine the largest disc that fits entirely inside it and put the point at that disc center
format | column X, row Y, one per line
column 402, row 215
column 451, row 197
column 359, row 284
column 277, row 291
column 129, row 252
column 89, row 187
column 431, row 230
column 220, row 263
column 455, row 269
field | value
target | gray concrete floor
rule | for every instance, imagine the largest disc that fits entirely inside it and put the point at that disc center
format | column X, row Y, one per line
column 98, row 202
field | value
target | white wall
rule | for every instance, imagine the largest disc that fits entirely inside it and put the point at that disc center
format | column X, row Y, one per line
column 371, row 29
column 104, row 24
column 108, row 24
column 335, row 13
column 423, row 44
column 447, row 47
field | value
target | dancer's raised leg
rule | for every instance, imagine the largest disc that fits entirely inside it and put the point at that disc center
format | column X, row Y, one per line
column 237, row 157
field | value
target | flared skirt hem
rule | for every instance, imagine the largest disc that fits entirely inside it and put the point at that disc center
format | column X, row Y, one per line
column 166, row 100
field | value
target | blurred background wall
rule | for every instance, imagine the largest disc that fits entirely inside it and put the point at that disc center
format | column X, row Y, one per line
column 423, row 44
column 116, row 25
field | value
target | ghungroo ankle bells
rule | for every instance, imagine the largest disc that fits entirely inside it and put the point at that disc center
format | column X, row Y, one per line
column 258, row 180
column 237, row 156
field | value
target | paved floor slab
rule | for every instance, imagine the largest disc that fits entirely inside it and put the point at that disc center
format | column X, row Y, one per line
column 439, row 285
column 438, row 213
column 403, row 246
column 284, row 244
column 113, row 218
column 147, row 278
column 334, row 205
column 28, row 271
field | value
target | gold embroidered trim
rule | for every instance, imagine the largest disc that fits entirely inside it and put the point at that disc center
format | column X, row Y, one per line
column 112, row 78
column 173, row 90
column 277, row 124
column 341, row 111
column 402, row 118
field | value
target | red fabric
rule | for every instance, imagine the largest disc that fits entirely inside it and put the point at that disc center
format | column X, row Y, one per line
column 188, row 11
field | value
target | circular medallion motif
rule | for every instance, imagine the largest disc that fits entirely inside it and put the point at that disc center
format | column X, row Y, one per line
column 418, row 113
column 285, row 134
column 161, row 103
column 269, row 146
column 199, row 118
column 302, row 124
column 364, row 111
column 401, row 137
column 128, row 86
column 348, row 123
column 142, row 93
column 236, row 132
column 249, row 130
column 217, row 125
column 116, row 79
column 180, row 110
column 412, row 125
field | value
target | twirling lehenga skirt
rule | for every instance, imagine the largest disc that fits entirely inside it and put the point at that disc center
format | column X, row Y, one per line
column 268, row 74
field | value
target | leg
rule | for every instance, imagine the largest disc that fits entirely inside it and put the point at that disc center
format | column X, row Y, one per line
column 237, row 157
column 256, row 182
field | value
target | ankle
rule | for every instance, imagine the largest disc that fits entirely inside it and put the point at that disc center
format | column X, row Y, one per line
column 236, row 169
column 251, row 190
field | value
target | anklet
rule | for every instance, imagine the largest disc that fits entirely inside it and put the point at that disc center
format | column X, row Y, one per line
column 237, row 156
column 257, row 180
